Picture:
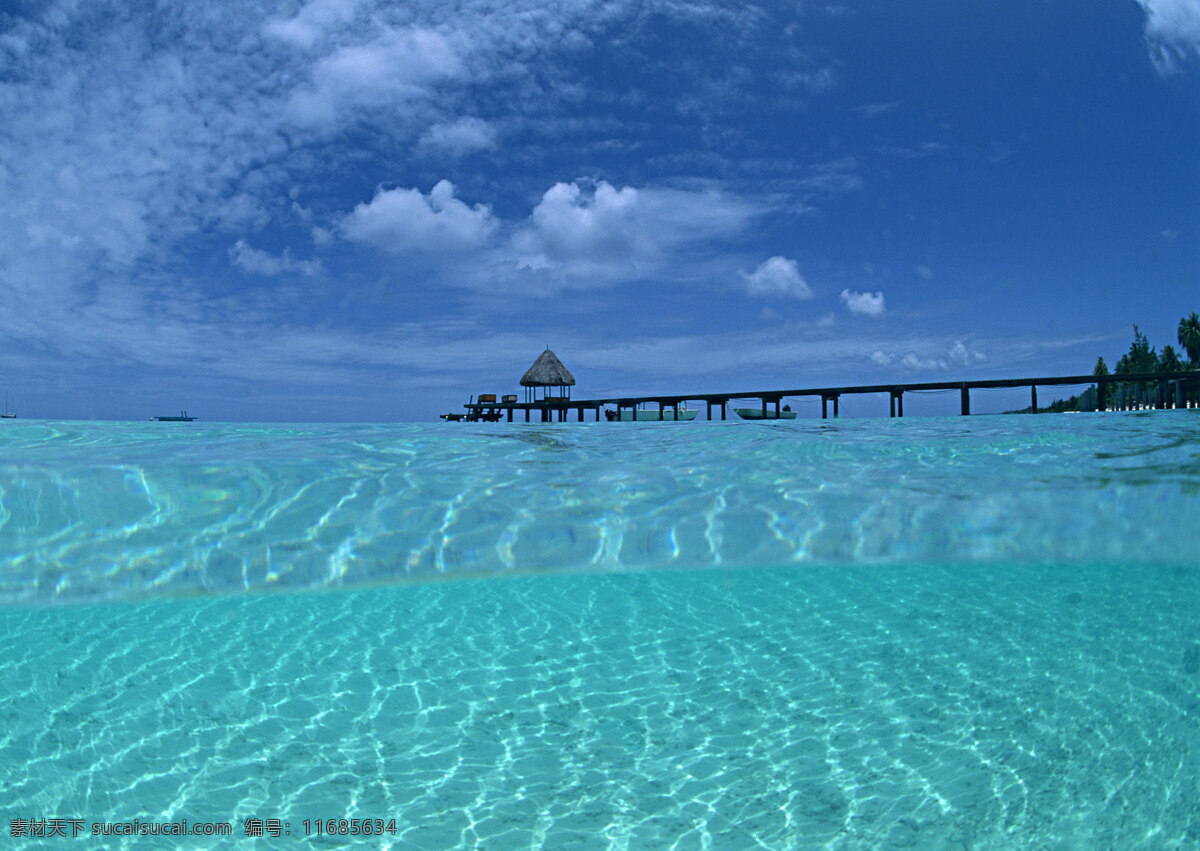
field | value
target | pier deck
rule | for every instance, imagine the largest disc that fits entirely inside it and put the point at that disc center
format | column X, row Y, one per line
column 1171, row 389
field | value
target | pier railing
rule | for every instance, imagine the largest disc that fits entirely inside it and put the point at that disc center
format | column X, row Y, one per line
column 1110, row 392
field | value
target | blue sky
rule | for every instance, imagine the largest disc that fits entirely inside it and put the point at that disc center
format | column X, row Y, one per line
column 350, row 210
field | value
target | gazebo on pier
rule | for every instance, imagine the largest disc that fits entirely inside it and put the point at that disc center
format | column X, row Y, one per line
column 547, row 373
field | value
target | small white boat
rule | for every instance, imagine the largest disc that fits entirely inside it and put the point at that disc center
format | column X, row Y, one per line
column 757, row 413
column 647, row 415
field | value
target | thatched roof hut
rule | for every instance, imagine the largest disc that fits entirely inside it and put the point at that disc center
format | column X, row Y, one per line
column 547, row 372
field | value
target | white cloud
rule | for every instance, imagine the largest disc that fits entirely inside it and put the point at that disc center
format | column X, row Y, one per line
column 957, row 355
column 593, row 233
column 1172, row 32
column 777, row 276
column 867, row 304
column 573, row 224
column 312, row 22
column 909, row 361
column 402, row 220
column 816, row 82
column 834, row 178
column 242, row 211
column 960, row 355
column 394, row 69
column 263, row 263
column 912, row 362
column 460, row 137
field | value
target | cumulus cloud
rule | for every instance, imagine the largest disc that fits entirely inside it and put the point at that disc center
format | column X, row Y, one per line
column 402, row 220
column 960, row 355
column 260, row 262
column 592, row 232
column 909, row 361
column 866, row 304
column 459, row 138
column 956, row 355
column 777, row 276
column 572, row 223
column 1172, row 32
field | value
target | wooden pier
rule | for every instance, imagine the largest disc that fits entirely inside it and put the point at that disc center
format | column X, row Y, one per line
column 1112, row 392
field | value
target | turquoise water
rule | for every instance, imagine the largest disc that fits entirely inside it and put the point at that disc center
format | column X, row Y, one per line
column 975, row 632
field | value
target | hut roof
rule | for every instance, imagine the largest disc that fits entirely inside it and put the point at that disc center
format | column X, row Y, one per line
column 547, row 371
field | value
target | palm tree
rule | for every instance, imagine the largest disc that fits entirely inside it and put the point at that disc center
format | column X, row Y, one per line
column 1189, row 337
column 1169, row 361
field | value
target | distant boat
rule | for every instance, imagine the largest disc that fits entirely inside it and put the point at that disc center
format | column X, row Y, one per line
column 182, row 418
column 8, row 415
column 758, row 414
column 650, row 415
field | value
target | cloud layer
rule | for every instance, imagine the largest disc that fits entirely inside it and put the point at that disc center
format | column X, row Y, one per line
column 306, row 184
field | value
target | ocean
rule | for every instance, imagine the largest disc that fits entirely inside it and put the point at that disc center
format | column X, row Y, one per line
column 973, row 632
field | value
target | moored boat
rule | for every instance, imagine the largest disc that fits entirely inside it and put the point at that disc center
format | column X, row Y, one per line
column 628, row 415
column 182, row 418
column 758, row 413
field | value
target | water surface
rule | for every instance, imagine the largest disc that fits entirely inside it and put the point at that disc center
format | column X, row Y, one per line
column 920, row 633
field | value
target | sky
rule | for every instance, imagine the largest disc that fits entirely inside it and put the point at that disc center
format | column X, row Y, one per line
column 348, row 210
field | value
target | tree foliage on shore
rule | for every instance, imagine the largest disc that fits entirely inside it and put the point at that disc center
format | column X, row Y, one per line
column 1142, row 358
column 1189, row 338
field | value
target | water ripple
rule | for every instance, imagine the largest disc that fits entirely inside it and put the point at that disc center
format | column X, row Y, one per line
column 112, row 510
